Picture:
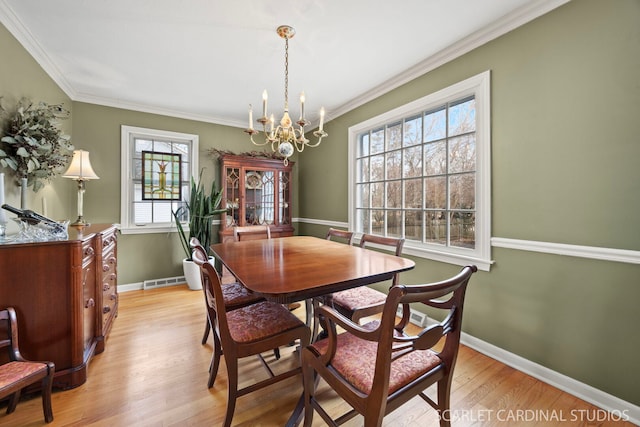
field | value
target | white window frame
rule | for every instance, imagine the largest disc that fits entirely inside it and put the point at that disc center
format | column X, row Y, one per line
column 127, row 135
column 480, row 87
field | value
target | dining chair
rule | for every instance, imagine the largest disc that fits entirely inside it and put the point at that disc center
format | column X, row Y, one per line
column 18, row 373
column 377, row 367
column 343, row 236
column 235, row 295
column 364, row 301
column 251, row 232
column 247, row 331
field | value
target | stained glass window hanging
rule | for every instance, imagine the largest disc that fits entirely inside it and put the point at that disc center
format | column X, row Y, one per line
column 161, row 174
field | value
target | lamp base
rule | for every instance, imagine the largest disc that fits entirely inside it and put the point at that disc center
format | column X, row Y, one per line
column 80, row 222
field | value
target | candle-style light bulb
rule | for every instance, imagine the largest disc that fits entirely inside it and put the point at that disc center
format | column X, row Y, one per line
column 321, row 118
column 264, row 103
column 302, row 106
column 250, row 117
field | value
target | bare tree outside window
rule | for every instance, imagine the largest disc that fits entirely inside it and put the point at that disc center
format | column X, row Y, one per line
column 417, row 176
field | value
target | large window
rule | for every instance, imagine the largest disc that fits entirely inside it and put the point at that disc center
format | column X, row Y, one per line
column 157, row 167
column 422, row 172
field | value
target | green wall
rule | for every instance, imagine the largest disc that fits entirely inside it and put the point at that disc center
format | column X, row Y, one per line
column 21, row 76
column 565, row 98
column 146, row 256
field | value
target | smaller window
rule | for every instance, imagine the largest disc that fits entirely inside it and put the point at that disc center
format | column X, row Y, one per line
column 156, row 166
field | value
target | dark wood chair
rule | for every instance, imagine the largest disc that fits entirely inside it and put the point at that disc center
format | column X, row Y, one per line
column 248, row 331
column 235, row 295
column 377, row 367
column 364, row 301
column 16, row 372
column 251, row 232
column 343, row 236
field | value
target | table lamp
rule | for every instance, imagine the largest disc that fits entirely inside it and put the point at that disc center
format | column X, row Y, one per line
column 80, row 169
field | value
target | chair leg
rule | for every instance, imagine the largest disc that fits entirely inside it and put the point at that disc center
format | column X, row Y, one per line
column 215, row 360
column 13, row 401
column 47, row 384
column 232, row 379
column 276, row 353
column 444, row 392
column 207, row 329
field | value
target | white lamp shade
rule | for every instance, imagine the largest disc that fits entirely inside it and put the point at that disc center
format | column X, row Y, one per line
column 80, row 168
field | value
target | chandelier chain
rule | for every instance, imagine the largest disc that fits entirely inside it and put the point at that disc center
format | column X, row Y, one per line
column 286, row 73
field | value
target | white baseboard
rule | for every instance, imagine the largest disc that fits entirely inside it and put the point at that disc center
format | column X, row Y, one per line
column 583, row 391
column 152, row 284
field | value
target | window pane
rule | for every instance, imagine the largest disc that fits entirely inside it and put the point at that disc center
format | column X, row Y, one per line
column 462, row 154
column 412, row 161
column 413, row 225
column 394, row 136
column 142, row 145
column 363, row 218
column 435, row 192
column 394, row 165
column 462, row 191
column 377, row 195
column 462, row 117
column 394, row 223
column 435, row 124
column 377, row 141
column 394, row 194
column 362, row 170
column 377, row 222
column 435, row 158
column 413, row 193
column 363, row 195
column 463, row 229
column 436, row 227
column 412, row 134
column 377, row 168
column 142, row 212
column 364, row 145
column 162, row 212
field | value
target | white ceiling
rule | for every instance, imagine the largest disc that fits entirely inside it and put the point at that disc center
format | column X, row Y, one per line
column 209, row 59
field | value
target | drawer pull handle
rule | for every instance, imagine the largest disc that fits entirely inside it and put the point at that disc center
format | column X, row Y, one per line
column 113, row 296
column 90, row 303
column 105, row 267
column 106, row 309
column 105, row 287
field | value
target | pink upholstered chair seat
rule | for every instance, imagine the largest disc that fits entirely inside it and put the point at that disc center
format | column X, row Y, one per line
column 260, row 320
column 355, row 360
column 358, row 297
column 237, row 295
column 14, row 372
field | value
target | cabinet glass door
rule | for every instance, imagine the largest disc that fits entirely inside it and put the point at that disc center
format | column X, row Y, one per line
column 259, row 197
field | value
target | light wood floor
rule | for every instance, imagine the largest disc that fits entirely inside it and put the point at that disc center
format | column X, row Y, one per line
column 153, row 372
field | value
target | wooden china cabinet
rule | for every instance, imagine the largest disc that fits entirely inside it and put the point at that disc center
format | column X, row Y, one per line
column 257, row 191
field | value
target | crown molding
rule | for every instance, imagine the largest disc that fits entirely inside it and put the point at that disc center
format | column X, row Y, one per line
column 15, row 26
column 500, row 27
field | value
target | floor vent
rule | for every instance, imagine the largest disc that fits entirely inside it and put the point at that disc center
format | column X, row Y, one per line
column 161, row 283
column 416, row 317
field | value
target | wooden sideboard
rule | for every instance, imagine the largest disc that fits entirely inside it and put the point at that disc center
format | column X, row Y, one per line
column 65, row 296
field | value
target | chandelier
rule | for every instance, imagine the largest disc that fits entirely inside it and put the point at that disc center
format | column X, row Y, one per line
column 285, row 138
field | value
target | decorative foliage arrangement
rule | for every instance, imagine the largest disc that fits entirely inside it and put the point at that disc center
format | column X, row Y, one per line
column 214, row 152
column 33, row 145
column 200, row 210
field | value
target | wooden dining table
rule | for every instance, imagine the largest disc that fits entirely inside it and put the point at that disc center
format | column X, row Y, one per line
column 297, row 268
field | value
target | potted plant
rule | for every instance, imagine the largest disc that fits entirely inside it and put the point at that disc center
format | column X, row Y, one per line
column 198, row 212
column 33, row 145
